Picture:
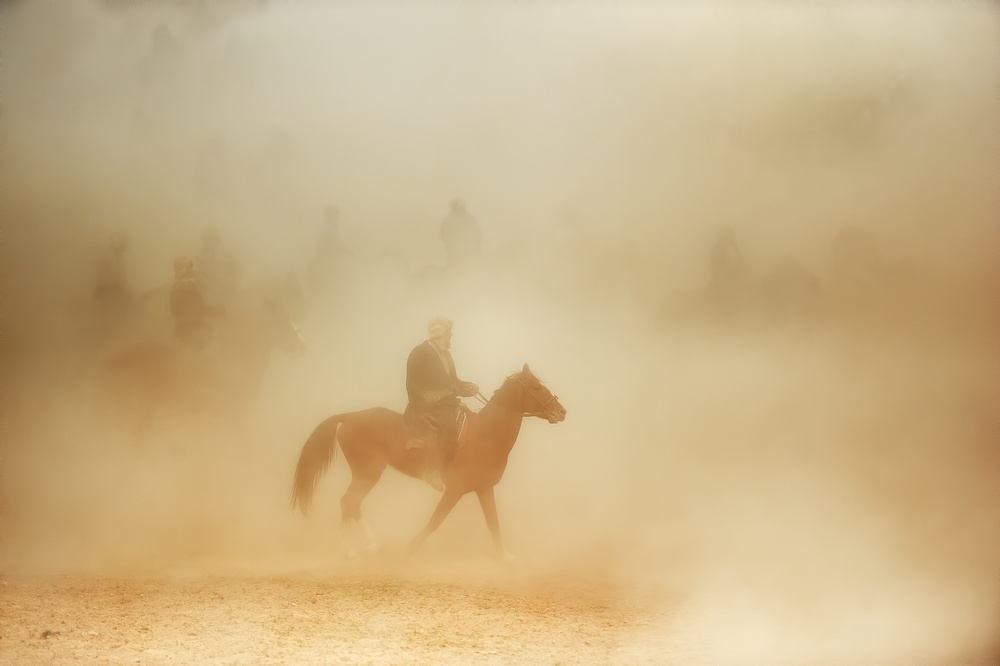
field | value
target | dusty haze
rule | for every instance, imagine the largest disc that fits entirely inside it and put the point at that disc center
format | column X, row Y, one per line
column 828, row 491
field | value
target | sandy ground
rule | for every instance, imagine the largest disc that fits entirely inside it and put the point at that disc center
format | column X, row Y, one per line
column 412, row 616
column 397, row 618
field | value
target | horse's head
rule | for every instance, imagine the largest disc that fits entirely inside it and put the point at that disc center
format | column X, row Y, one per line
column 534, row 399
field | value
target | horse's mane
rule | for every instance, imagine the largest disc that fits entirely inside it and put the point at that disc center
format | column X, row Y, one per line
column 516, row 375
column 521, row 372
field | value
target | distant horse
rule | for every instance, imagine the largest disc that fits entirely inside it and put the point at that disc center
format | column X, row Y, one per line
column 788, row 294
column 791, row 293
column 376, row 438
column 159, row 375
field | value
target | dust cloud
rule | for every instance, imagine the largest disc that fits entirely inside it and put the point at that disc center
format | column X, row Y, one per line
column 803, row 463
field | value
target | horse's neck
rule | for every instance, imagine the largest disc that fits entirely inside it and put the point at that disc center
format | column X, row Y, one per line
column 503, row 420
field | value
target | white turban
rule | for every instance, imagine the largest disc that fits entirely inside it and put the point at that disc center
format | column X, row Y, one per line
column 438, row 327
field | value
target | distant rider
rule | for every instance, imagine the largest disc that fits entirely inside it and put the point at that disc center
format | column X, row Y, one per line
column 463, row 241
column 192, row 326
column 218, row 266
column 728, row 280
column 112, row 288
column 332, row 254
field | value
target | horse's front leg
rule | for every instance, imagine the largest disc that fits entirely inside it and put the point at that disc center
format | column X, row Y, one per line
column 444, row 507
column 489, row 504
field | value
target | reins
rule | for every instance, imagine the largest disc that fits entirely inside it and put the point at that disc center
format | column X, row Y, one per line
column 542, row 404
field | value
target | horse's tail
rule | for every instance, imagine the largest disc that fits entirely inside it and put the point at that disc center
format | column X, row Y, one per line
column 316, row 456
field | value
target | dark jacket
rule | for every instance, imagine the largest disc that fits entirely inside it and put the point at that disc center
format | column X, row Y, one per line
column 428, row 382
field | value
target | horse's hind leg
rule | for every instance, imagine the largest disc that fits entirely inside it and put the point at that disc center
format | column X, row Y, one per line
column 350, row 511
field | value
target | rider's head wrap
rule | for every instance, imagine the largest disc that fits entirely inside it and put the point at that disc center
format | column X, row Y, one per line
column 438, row 328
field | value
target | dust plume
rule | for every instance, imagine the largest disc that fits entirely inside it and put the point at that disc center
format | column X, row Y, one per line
column 799, row 457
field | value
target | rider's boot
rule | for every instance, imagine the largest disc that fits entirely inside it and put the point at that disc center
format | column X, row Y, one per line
column 433, row 478
column 432, row 468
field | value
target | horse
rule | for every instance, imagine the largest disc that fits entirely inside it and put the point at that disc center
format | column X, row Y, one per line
column 376, row 438
column 159, row 375
column 791, row 293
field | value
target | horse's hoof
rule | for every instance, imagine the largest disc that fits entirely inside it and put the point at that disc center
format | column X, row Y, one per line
column 506, row 558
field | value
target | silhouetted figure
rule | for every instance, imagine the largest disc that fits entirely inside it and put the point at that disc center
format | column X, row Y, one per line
column 728, row 279
column 218, row 268
column 112, row 289
column 113, row 298
column 463, row 241
column 330, row 261
column 192, row 315
column 330, row 248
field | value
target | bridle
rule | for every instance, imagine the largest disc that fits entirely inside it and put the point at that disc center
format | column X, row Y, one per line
column 542, row 403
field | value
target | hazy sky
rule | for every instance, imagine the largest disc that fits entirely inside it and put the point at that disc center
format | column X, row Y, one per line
column 653, row 123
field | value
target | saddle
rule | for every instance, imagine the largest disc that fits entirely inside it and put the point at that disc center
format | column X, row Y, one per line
column 421, row 432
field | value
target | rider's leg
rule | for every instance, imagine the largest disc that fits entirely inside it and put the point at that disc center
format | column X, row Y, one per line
column 433, row 464
column 439, row 453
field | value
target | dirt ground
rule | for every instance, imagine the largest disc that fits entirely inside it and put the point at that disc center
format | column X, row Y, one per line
column 409, row 616
column 357, row 618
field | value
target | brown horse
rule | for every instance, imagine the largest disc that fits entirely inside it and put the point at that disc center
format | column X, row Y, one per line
column 376, row 438
column 158, row 375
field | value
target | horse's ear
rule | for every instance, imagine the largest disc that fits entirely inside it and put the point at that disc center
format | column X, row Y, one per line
column 526, row 369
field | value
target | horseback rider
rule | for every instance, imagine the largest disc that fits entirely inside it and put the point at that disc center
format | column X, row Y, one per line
column 191, row 313
column 112, row 286
column 330, row 249
column 218, row 266
column 463, row 241
column 728, row 272
column 332, row 255
column 433, row 390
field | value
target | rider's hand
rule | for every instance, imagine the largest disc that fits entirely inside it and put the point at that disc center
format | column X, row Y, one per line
column 468, row 389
